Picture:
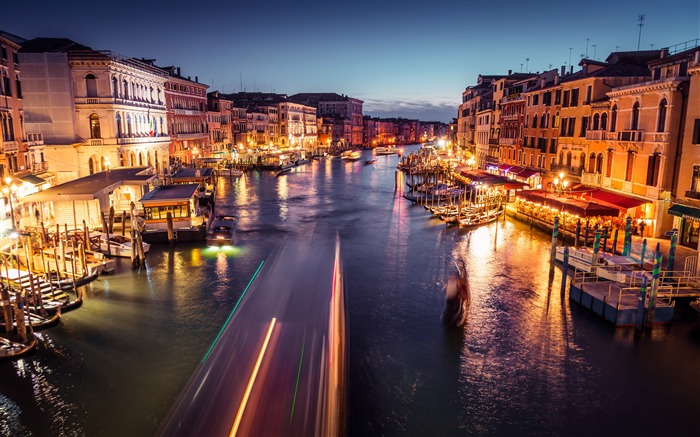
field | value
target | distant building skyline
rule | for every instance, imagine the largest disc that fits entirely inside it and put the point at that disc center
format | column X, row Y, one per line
column 403, row 59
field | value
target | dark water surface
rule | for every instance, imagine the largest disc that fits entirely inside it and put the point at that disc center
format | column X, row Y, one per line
column 526, row 363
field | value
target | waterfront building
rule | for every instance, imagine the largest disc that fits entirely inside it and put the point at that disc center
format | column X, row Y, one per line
column 259, row 132
column 474, row 99
column 336, row 107
column 297, row 125
column 95, row 109
column 505, row 96
column 678, row 79
column 186, row 103
column 239, row 126
column 369, row 131
column 14, row 156
column 219, row 120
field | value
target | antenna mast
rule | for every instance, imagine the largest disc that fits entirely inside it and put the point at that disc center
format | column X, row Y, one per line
column 641, row 23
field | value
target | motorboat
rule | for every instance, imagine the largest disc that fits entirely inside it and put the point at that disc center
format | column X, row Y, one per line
column 385, row 151
column 354, row 155
column 119, row 245
column 222, row 231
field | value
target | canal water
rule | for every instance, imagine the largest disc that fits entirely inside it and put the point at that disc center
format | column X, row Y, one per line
column 527, row 362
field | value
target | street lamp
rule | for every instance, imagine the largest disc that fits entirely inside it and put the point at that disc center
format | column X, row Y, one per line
column 560, row 183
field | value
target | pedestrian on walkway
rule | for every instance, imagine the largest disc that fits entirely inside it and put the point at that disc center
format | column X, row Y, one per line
column 642, row 225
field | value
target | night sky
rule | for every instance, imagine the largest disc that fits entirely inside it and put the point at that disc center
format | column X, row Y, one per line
column 403, row 58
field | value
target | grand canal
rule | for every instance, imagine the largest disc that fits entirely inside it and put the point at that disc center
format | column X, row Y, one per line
column 527, row 362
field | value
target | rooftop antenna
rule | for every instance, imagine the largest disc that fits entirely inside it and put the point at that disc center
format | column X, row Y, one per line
column 570, row 49
column 587, row 39
column 652, row 46
column 594, row 46
column 617, row 48
column 641, row 23
column 527, row 62
column 521, row 67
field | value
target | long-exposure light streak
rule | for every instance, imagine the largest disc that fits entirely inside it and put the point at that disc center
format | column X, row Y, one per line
column 249, row 388
column 232, row 311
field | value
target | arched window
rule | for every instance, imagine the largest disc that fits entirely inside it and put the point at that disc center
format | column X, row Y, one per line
column 661, row 124
column 119, row 125
column 129, row 128
column 561, row 158
column 635, row 116
column 91, row 165
column 604, row 121
column 543, row 121
column 103, row 164
column 556, row 120
column 140, row 159
column 534, row 120
column 91, row 85
column 568, row 159
column 591, row 163
column 125, row 89
column 596, row 122
column 608, row 168
column 95, row 126
column 115, row 87
column 122, row 160
column 599, row 164
column 613, row 119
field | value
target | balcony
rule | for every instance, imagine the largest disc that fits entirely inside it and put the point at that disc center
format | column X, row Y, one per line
column 593, row 179
column 34, row 140
column 11, row 146
column 630, row 135
column 150, row 140
column 513, row 98
column 656, row 137
column 40, row 167
column 508, row 141
column 692, row 195
column 94, row 142
column 598, row 135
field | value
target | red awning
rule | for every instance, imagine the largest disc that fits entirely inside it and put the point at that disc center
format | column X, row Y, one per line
column 619, row 201
column 526, row 173
column 504, row 167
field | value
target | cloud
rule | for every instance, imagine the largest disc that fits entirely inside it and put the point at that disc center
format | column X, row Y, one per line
column 426, row 110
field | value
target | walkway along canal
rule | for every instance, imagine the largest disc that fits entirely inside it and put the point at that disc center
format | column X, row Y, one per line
column 526, row 361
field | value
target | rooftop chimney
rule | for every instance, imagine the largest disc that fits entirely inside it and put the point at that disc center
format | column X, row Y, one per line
column 196, row 79
column 571, row 69
column 510, row 72
column 664, row 52
column 563, row 70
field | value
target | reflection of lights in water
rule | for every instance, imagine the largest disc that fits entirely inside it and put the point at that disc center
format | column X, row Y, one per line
column 222, row 252
column 283, row 195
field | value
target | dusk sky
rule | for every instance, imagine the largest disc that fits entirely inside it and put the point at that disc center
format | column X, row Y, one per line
column 403, row 58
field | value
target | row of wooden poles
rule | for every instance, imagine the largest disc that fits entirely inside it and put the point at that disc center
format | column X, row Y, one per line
column 645, row 316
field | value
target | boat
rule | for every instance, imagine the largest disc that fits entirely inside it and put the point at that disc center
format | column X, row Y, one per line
column 475, row 220
column 222, row 231
column 370, row 161
column 354, row 155
column 385, row 151
column 283, row 170
column 695, row 305
column 10, row 349
column 119, row 245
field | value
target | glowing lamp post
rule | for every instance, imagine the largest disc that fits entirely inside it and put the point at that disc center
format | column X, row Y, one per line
column 560, row 183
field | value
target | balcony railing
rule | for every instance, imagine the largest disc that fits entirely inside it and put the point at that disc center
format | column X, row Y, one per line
column 656, row 137
column 507, row 141
column 593, row 179
column 95, row 142
column 40, row 167
column 692, row 195
column 630, row 135
column 146, row 140
column 11, row 146
column 595, row 135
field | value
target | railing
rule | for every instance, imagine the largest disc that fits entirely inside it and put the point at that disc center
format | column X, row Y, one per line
column 507, row 141
column 11, row 146
column 630, row 135
column 95, row 142
column 92, row 101
column 513, row 98
column 595, row 134
column 40, row 167
column 692, row 194
column 656, row 137
column 595, row 179
column 145, row 140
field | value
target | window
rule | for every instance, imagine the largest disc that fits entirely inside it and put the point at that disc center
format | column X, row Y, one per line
column 19, row 87
column 661, row 123
column 536, row 100
column 608, row 168
column 95, row 126
column 574, row 97
column 613, row 119
column 695, row 182
column 572, row 127
column 557, row 97
column 630, row 166
column 591, row 163
column 553, row 146
column 596, row 122
column 91, row 85
column 604, row 121
column 634, row 125
column 562, row 131
column 547, row 98
column 565, row 103
column 599, row 164
column 589, row 94
column 584, row 126
column 653, row 169
column 556, row 120
column 696, row 131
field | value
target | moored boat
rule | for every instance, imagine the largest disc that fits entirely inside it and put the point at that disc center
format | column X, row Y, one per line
column 119, row 245
column 222, row 231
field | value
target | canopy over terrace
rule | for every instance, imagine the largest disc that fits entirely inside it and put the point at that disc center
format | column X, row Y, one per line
column 88, row 197
column 574, row 206
column 489, row 179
